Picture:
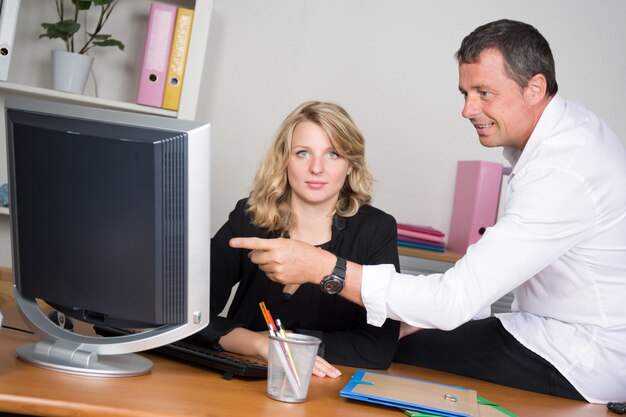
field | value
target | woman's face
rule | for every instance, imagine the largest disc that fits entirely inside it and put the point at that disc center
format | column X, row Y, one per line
column 315, row 171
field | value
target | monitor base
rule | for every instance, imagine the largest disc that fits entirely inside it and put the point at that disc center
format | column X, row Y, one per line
column 74, row 361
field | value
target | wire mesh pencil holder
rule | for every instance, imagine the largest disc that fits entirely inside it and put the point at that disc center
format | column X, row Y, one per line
column 290, row 365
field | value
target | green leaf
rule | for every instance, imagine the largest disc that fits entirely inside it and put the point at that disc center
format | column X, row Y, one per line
column 82, row 4
column 102, row 2
column 110, row 42
column 101, row 36
column 64, row 29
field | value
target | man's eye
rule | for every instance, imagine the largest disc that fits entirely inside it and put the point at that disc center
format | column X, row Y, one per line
column 485, row 93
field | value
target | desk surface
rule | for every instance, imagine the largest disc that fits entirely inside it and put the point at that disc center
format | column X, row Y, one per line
column 177, row 389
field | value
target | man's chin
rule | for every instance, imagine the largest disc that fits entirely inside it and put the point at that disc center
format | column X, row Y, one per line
column 487, row 141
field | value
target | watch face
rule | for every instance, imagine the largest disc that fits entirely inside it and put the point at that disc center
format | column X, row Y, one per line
column 332, row 284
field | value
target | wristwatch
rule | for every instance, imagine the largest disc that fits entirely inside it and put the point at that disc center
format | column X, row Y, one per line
column 333, row 283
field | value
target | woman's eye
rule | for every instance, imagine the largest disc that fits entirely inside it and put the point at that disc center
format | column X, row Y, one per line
column 333, row 155
column 302, row 154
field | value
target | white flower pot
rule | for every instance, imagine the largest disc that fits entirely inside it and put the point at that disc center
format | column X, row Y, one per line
column 70, row 71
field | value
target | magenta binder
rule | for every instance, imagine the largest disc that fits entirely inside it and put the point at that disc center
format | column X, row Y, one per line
column 476, row 197
column 419, row 235
column 156, row 54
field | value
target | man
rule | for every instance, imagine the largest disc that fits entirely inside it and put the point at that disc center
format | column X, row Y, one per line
column 560, row 245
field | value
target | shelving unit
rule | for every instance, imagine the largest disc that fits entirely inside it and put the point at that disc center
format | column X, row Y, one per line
column 118, row 70
column 8, row 88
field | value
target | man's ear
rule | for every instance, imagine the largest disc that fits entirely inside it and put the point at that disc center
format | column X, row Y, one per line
column 536, row 89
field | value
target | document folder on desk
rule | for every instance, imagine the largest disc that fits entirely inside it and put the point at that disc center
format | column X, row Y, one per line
column 485, row 407
column 412, row 394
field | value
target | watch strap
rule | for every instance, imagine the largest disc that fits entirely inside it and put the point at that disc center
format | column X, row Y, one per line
column 340, row 268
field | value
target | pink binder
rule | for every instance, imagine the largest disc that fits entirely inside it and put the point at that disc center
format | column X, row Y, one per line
column 476, row 197
column 156, row 54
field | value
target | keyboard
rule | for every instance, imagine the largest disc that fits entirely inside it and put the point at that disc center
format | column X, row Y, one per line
column 228, row 363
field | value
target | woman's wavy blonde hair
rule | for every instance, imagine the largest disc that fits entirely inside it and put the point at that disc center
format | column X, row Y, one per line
column 269, row 200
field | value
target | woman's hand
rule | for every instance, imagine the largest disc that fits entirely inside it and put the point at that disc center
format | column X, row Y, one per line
column 322, row 368
column 246, row 342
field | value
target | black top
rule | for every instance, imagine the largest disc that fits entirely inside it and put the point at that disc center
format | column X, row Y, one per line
column 369, row 237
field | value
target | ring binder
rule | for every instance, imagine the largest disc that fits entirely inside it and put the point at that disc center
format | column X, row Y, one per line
column 178, row 58
column 156, row 54
column 8, row 23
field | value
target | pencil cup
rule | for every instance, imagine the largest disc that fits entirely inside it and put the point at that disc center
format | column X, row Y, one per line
column 290, row 365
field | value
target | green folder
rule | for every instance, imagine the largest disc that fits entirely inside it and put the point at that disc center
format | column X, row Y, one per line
column 487, row 409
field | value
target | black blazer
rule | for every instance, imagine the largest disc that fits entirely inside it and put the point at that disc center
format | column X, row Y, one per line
column 369, row 237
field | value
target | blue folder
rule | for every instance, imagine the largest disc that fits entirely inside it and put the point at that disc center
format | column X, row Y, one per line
column 412, row 394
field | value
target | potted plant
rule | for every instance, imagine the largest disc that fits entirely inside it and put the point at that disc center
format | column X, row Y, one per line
column 72, row 66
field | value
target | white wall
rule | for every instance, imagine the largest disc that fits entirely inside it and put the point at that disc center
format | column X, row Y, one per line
column 388, row 62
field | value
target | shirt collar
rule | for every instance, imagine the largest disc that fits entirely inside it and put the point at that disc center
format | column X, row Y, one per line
column 550, row 116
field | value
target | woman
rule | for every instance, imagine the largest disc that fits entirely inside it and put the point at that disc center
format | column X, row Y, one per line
column 314, row 186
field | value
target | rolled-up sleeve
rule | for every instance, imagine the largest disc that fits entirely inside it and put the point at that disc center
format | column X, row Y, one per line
column 375, row 281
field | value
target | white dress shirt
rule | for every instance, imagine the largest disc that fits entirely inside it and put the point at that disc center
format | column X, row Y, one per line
column 560, row 245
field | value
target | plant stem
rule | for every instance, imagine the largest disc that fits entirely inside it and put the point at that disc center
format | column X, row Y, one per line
column 105, row 12
column 59, row 4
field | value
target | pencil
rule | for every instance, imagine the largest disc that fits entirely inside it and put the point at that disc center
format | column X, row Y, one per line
column 282, row 333
column 284, row 346
column 268, row 318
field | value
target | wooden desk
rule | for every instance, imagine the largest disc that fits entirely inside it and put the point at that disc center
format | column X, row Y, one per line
column 177, row 389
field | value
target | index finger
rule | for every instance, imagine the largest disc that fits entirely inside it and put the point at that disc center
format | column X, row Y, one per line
column 252, row 243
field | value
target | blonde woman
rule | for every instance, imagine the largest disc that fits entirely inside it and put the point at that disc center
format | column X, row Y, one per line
column 314, row 186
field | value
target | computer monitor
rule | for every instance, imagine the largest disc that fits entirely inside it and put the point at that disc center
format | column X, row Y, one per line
column 109, row 225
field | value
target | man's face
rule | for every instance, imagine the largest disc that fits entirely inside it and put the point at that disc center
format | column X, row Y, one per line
column 496, row 105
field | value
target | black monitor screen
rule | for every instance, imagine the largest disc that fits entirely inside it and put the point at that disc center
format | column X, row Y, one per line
column 100, row 214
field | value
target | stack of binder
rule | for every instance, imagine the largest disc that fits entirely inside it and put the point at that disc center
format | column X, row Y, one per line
column 165, row 56
column 421, row 237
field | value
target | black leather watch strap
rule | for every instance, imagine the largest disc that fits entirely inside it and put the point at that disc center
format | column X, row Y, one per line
column 340, row 268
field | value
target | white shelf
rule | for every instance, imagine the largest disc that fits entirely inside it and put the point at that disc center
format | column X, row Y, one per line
column 8, row 88
column 4, row 210
column 31, row 55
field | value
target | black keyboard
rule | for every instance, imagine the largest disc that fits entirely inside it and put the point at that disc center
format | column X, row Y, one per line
column 229, row 363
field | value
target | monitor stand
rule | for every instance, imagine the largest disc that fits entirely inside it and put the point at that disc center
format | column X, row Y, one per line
column 64, row 351
column 69, row 358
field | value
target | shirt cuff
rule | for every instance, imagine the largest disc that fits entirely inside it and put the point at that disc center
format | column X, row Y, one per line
column 374, row 283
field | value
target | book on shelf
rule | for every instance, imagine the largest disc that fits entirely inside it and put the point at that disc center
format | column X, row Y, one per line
column 421, row 232
column 419, row 246
column 178, row 58
column 421, row 242
column 422, row 229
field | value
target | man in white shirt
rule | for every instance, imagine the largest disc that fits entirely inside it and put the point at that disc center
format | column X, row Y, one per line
column 560, row 245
